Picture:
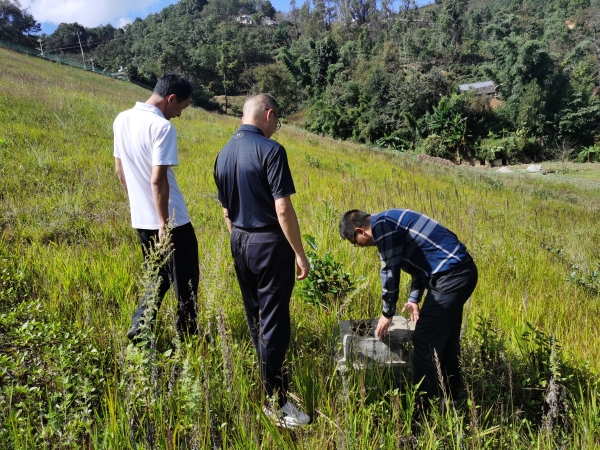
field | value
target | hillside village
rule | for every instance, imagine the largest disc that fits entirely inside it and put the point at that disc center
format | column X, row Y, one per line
column 389, row 75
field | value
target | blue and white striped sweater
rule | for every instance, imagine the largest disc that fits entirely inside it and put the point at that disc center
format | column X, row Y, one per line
column 412, row 242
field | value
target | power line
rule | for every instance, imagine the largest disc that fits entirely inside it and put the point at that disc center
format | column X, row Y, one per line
column 88, row 44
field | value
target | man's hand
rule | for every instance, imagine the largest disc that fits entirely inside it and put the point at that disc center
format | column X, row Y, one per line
column 161, row 233
column 302, row 267
column 382, row 327
column 413, row 308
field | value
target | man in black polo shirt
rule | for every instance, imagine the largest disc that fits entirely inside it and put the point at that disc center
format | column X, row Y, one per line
column 255, row 184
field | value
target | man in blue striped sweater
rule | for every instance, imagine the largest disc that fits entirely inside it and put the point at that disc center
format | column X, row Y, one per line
column 437, row 262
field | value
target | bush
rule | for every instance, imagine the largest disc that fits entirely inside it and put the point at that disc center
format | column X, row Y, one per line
column 327, row 279
column 434, row 145
column 588, row 154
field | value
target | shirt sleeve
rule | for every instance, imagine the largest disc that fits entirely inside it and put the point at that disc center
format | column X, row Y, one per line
column 116, row 150
column 390, row 246
column 278, row 174
column 164, row 151
column 417, row 287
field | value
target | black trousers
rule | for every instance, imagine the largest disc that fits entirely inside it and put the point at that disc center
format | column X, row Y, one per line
column 181, row 269
column 264, row 264
column 438, row 330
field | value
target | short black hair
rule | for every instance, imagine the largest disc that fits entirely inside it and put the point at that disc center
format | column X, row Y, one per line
column 355, row 218
column 273, row 102
column 174, row 84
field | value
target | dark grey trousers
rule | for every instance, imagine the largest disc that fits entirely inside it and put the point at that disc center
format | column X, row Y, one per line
column 438, row 330
column 264, row 264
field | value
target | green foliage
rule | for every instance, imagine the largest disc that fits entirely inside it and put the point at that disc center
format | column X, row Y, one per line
column 14, row 287
column 276, row 80
column 51, row 370
column 16, row 23
column 327, row 280
column 588, row 154
column 75, row 260
column 587, row 280
column 434, row 145
column 540, row 380
column 361, row 70
column 313, row 161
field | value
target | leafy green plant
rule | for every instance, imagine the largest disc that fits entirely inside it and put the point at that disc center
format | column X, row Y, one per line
column 589, row 281
column 393, row 142
column 588, row 154
column 327, row 279
column 313, row 161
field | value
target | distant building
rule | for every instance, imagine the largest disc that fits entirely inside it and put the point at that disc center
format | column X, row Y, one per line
column 480, row 88
column 244, row 19
column 269, row 22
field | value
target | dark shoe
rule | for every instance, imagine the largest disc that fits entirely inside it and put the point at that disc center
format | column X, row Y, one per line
column 133, row 332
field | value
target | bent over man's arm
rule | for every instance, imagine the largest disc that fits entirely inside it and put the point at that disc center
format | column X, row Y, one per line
column 160, row 193
column 286, row 215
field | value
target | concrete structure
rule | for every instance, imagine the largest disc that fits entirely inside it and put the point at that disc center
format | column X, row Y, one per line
column 360, row 348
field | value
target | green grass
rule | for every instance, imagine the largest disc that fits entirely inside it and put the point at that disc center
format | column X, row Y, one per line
column 71, row 267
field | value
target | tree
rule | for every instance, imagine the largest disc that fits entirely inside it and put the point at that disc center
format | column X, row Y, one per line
column 452, row 21
column 227, row 66
column 357, row 12
column 276, row 80
column 64, row 39
column 323, row 54
column 15, row 22
column 532, row 111
column 267, row 9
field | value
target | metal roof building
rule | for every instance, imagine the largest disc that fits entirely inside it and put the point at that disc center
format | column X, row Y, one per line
column 480, row 88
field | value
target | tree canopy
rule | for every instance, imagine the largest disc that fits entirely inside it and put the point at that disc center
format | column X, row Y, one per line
column 385, row 73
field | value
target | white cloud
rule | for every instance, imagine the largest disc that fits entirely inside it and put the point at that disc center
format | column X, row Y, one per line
column 90, row 13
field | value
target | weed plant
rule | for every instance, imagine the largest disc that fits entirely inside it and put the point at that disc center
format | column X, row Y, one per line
column 71, row 265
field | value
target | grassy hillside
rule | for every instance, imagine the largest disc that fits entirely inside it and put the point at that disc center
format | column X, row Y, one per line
column 70, row 271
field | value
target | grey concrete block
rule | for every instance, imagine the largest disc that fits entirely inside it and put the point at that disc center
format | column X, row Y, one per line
column 360, row 348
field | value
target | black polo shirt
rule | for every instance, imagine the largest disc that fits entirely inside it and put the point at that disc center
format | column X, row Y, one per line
column 251, row 172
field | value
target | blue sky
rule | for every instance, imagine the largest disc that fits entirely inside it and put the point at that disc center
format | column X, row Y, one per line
column 91, row 13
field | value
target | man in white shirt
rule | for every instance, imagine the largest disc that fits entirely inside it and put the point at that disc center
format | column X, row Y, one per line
column 145, row 149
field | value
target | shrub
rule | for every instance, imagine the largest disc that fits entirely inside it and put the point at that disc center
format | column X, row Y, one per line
column 434, row 145
column 327, row 279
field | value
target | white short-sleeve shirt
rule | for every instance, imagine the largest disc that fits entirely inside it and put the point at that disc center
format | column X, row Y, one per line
column 143, row 138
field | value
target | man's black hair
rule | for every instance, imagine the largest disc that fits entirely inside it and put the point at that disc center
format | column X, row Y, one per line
column 355, row 218
column 273, row 102
column 174, row 84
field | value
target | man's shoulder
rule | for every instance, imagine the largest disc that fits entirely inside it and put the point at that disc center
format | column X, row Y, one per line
column 243, row 139
column 148, row 117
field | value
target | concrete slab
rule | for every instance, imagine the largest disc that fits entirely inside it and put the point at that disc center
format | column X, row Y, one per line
column 360, row 348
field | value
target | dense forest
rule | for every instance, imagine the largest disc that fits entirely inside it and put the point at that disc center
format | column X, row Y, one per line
column 379, row 72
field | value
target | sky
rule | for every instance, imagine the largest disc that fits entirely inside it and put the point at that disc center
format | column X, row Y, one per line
column 91, row 13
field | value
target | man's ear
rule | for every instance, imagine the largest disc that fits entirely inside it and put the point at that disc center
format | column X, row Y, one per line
column 171, row 97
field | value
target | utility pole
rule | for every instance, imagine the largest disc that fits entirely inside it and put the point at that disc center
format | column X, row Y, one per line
column 41, row 47
column 80, row 46
column 225, row 88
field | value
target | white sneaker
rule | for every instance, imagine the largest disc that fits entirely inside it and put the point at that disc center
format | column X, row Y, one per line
column 288, row 416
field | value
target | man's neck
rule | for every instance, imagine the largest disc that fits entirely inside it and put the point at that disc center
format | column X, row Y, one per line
column 158, row 102
column 257, row 125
